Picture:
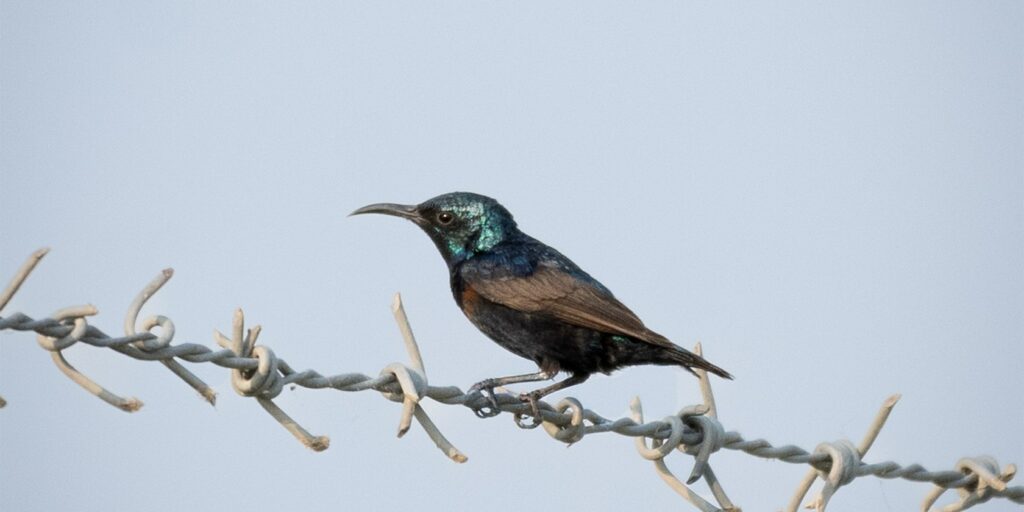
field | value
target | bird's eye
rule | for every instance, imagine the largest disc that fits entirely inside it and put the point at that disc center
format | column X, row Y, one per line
column 445, row 217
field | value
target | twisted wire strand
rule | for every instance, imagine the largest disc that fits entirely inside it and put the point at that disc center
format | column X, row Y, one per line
column 695, row 430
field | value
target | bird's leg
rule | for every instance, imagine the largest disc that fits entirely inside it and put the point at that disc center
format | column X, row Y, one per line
column 486, row 387
column 533, row 396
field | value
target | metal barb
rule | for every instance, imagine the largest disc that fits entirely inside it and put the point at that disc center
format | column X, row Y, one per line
column 164, row 338
column 16, row 282
column 265, row 381
column 701, row 467
column 22, row 274
column 838, row 464
column 78, row 330
column 657, row 452
column 414, row 382
column 987, row 482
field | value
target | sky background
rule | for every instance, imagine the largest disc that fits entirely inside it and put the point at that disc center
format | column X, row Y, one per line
column 829, row 196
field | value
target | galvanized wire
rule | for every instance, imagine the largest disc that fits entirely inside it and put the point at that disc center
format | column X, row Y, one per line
column 695, row 430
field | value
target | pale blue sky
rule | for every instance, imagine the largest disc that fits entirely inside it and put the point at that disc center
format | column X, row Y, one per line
column 829, row 195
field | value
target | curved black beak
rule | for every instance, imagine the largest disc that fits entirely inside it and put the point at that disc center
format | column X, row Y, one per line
column 405, row 211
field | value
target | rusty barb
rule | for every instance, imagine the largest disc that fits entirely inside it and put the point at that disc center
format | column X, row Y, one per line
column 695, row 430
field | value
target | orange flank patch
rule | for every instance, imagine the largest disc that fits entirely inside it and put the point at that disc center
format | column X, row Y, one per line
column 470, row 298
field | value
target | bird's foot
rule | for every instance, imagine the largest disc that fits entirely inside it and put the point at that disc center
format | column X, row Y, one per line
column 485, row 388
column 530, row 398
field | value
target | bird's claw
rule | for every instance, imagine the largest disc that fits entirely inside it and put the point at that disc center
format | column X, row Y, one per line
column 530, row 398
column 485, row 388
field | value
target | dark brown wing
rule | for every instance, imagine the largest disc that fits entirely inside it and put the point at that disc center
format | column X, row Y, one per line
column 569, row 299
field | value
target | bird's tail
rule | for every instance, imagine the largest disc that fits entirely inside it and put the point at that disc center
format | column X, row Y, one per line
column 689, row 360
column 654, row 348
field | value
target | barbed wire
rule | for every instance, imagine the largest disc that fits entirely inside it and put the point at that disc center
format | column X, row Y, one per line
column 695, row 430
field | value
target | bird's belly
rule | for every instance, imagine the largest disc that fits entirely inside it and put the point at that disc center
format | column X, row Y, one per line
column 540, row 338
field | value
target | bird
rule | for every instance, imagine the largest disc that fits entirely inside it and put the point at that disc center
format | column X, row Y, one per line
column 533, row 300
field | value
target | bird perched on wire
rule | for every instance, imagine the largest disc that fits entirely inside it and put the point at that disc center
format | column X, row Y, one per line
column 532, row 300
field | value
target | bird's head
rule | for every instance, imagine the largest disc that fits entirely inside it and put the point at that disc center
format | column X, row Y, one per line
column 461, row 224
